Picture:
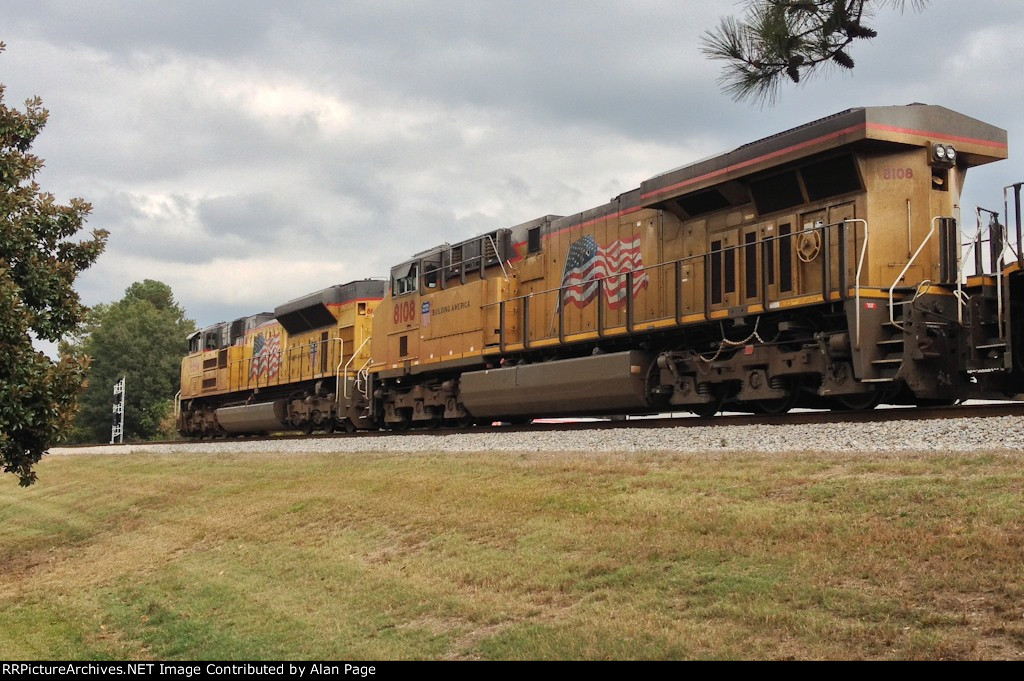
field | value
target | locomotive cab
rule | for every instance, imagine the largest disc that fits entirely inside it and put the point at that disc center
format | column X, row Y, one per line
column 442, row 314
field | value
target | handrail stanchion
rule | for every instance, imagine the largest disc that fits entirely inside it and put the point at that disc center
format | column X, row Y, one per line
column 892, row 289
column 856, row 283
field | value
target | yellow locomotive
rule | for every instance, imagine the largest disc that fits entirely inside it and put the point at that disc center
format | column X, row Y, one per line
column 281, row 370
column 818, row 267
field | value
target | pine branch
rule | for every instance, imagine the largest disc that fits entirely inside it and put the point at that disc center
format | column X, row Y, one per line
column 789, row 39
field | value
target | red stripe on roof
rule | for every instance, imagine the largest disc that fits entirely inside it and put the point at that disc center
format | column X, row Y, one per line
column 819, row 140
column 939, row 136
column 759, row 159
column 771, row 155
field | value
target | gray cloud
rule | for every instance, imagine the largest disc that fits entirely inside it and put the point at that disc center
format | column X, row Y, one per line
column 247, row 153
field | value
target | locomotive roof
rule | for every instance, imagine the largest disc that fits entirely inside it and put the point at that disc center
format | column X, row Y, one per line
column 310, row 311
column 913, row 124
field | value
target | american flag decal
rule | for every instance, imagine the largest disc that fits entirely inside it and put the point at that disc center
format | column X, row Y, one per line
column 589, row 267
column 266, row 355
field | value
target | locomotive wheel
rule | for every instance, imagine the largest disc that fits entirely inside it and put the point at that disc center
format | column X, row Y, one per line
column 782, row 404
column 857, row 402
column 935, row 401
column 706, row 411
column 403, row 424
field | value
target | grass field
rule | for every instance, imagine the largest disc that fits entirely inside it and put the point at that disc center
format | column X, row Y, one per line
column 516, row 556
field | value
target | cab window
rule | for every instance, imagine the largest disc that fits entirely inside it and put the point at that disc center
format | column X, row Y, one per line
column 431, row 271
column 404, row 279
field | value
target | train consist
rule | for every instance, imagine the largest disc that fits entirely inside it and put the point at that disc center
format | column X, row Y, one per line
column 819, row 267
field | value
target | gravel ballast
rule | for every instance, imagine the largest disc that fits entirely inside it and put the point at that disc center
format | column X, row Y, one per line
column 940, row 435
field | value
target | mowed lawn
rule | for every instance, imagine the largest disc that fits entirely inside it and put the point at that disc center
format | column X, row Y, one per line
column 515, row 556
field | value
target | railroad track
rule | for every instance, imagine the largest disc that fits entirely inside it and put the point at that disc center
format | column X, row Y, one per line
column 984, row 410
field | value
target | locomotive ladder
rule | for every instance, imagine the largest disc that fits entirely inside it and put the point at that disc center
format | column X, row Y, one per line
column 890, row 351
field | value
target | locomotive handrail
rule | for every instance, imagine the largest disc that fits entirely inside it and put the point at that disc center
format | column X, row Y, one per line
column 910, row 261
column 363, row 374
column 350, row 360
column 999, row 287
column 1006, row 212
column 500, row 262
column 447, row 268
column 962, row 262
column 763, row 255
column 856, row 281
column 337, row 371
column 245, row 380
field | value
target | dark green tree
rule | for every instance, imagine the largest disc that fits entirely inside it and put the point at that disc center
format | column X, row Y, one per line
column 143, row 338
column 789, row 39
column 41, row 254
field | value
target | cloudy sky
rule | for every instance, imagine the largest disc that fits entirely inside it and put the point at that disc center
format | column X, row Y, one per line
column 246, row 153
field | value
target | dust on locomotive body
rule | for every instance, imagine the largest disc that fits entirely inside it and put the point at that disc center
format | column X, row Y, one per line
column 820, row 267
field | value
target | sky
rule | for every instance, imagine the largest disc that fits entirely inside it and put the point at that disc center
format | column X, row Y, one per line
column 248, row 153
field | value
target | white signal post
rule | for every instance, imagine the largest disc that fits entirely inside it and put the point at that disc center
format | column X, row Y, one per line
column 117, row 427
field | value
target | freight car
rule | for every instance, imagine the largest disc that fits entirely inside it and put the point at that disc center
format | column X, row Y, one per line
column 819, row 267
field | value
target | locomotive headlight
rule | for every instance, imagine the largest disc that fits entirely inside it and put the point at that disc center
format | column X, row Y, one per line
column 943, row 155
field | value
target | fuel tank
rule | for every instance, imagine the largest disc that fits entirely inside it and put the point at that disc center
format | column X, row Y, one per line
column 253, row 418
column 599, row 384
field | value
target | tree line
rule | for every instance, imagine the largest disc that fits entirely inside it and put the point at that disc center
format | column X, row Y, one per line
column 142, row 338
